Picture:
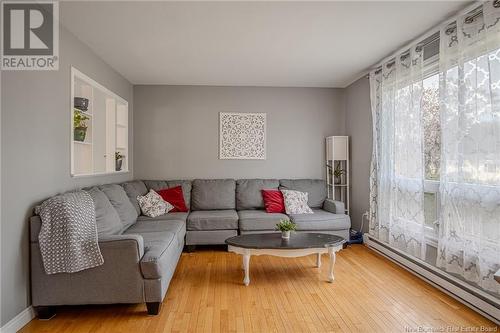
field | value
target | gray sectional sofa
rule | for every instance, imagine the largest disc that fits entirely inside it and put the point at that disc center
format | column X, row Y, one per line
column 141, row 253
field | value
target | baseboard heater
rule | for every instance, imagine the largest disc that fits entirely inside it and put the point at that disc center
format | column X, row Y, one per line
column 472, row 297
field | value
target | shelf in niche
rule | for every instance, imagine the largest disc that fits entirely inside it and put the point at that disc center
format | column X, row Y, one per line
column 83, row 143
column 337, row 157
column 82, row 175
column 83, row 112
column 107, row 130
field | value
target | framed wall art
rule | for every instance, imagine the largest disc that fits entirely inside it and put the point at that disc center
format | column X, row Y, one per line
column 242, row 136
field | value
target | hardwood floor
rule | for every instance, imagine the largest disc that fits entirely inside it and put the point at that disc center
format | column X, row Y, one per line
column 369, row 294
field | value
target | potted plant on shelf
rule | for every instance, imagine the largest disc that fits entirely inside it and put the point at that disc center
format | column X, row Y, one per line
column 337, row 173
column 286, row 226
column 80, row 126
column 81, row 103
column 118, row 160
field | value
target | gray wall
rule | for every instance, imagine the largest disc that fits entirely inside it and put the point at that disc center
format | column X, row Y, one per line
column 175, row 135
column 176, row 130
column 358, row 125
column 36, row 154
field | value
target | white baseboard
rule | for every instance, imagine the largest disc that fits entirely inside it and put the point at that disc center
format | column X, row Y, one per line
column 477, row 300
column 18, row 322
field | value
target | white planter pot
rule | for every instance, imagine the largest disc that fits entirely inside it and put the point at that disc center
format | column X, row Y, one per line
column 285, row 234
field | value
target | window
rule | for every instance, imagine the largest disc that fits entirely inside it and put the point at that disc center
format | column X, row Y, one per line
column 99, row 128
column 432, row 148
column 474, row 171
column 431, row 126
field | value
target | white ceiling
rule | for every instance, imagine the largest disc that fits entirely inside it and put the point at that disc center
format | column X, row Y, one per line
column 306, row 44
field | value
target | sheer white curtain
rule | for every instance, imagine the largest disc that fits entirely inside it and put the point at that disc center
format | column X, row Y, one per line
column 469, row 243
column 397, row 172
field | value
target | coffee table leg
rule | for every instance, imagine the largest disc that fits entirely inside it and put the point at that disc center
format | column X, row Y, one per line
column 318, row 260
column 246, row 266
column 331, row 252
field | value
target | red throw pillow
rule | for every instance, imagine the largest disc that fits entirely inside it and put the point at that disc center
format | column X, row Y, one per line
column 175, row 197
column 273, row 201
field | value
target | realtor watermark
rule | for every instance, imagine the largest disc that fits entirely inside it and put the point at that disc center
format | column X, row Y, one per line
column 30, row 35
column 430, row 329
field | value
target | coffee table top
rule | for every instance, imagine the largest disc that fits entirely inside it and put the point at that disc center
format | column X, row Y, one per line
column 274, row 241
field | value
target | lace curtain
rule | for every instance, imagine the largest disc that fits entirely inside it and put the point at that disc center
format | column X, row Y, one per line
column 397, row 172
column 469, row 241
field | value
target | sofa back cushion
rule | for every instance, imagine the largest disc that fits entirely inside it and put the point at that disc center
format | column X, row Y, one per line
column 134, row 189
column 118, row 198
column 212, row 194
column 107, row 218
column 158, row 185
column 315, row 188
column 248, row 192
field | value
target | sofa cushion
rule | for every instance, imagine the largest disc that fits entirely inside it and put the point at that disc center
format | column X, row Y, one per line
column 315, row 188
column 178, row 227
column 155, row 184
column 133, row 190
column 158, row 185
column 107, row 219
column 259, row 220
column 157, row 225
column 213, row 194
column 118, row 198
column 212, row 220
column 248, row 192
column 321, row 220
column 167, row 217
column 175, row 197
column 162, row 241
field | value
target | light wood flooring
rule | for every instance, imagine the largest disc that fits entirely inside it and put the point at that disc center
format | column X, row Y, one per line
column 369, row 294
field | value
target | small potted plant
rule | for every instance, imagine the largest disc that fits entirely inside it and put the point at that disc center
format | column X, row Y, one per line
column 337, row 173
column 285, row 226
column 80, row 126
column 118, row 161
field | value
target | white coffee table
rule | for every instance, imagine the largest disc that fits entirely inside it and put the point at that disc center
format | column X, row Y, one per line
column 299, row 245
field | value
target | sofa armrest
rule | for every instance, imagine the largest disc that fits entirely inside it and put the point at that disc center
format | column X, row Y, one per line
column 109, row 242
column 334, row 206
column 118, row 280
column 35, row 226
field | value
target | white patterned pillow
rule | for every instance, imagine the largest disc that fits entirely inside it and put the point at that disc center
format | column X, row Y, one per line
column 296, row 202
column 153, row 205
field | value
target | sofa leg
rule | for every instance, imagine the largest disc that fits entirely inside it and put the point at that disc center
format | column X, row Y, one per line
column 153, row 308
column 190, row 248
column 45, row 312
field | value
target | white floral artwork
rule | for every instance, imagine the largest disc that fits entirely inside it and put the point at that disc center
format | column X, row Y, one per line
column 242, row 136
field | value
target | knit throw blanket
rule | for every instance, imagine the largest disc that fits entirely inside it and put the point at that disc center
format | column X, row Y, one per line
column 68, row 236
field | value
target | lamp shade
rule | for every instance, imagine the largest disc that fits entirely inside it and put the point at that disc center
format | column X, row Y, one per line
column 336, row 148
